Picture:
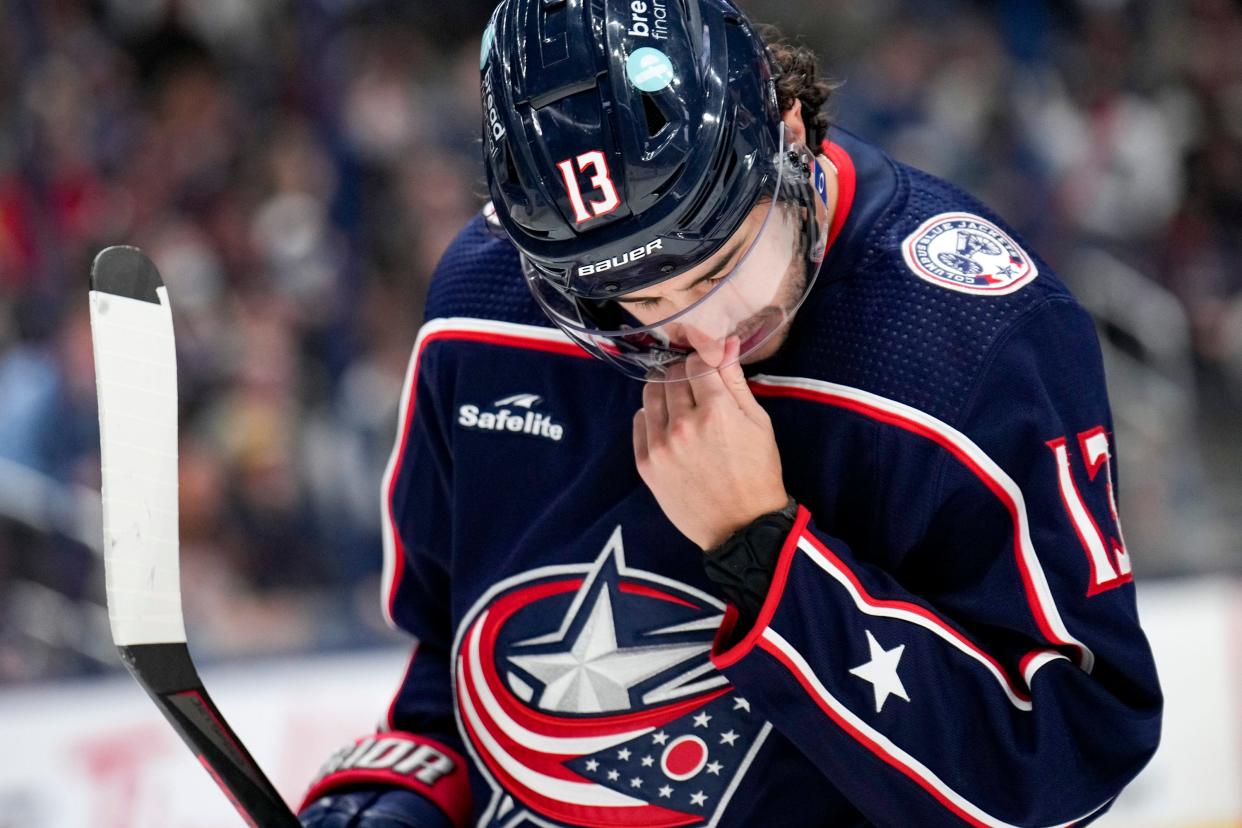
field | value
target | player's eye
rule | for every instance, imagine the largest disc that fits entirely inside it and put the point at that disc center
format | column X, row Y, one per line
column 651, row 303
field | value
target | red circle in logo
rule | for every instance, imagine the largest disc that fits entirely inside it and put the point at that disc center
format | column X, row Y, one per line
column 684, row 757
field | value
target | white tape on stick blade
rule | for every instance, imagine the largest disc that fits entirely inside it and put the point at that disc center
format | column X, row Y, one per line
column 136, row 374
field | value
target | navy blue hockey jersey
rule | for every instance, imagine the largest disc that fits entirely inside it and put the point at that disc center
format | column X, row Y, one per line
column 950, row 636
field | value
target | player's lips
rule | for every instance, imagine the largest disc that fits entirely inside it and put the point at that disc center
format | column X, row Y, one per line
column 765, row 324
column 756, row 331
column 754, row 339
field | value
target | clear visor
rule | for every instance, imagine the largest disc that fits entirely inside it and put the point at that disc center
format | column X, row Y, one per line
column 749, row 288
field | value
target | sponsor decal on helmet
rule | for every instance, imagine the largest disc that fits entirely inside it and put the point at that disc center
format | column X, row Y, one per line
column 969, row 254
column 649, row 69
column 622, row 260
column 489, row 35
column 648, row 19
column 495, row 128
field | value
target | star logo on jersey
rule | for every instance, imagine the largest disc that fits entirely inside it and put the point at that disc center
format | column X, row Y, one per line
column 968, row 254
column 587, row 696
column 881, row 672
column 596, row 674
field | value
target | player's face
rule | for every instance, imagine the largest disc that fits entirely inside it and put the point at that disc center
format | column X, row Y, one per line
column 747, row 307
column 748, row 289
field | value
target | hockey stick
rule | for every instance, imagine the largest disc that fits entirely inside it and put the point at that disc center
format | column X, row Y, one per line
column 136, row 375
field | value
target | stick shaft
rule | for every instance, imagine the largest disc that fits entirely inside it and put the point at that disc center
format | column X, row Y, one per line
column 167, row 673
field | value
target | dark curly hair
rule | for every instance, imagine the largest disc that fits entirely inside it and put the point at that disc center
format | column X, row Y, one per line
column 800, row 81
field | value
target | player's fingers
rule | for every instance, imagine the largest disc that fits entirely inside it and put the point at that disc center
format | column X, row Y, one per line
column 733, row 378
column 640, row 436
column 707, row 384
column 656, row 418
column 678, row 396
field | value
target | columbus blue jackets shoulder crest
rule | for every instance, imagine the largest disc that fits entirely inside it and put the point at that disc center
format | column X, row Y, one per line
column 969, row 254
column 587, row 696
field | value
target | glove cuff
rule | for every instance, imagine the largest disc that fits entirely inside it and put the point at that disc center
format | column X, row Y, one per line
column 402, row 760
column 742, row 566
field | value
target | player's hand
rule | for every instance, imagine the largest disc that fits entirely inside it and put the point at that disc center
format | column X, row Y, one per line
column 373, row 807
column 706, row 449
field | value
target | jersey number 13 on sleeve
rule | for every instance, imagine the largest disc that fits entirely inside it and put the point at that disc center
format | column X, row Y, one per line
column 1106, row 552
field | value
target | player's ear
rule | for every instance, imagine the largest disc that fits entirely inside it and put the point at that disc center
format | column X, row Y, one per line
column 793, row 119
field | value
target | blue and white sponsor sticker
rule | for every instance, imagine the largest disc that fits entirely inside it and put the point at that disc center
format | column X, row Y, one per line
column 649, row 69
column 969, row 254
column 489, row 35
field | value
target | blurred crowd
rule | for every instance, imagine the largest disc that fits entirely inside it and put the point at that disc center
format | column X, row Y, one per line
column 296, row 167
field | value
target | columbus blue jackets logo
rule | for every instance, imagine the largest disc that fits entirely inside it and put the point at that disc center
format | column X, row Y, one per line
column 966, row 253
column 587, row 697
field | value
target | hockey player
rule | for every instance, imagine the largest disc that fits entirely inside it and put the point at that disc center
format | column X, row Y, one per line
column 848, row 555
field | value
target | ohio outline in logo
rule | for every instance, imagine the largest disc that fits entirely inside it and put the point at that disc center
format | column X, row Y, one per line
column 969, row 254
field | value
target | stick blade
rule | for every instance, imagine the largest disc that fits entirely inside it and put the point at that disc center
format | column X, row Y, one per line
column 126, row 271
column 136, row 379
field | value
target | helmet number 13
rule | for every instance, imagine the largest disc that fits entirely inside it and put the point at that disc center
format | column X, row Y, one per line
column 596, row 165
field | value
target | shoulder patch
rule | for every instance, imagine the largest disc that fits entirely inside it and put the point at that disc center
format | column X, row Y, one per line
column 969, row 254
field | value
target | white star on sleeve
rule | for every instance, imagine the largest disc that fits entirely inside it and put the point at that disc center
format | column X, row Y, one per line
column 613, row 775
column 648, row 761
column 714, row 767
column 881, row 671
column 624, row 754
column 666, row 791
column 659, row 737
column 592, row 764
column 698, row 798
column 728, row 738
column 702, row 719
column 740, row 703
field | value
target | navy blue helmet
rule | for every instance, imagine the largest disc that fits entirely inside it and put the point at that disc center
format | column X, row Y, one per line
column 625, row 142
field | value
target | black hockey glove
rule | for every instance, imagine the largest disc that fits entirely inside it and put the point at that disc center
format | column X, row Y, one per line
column 390, row 780
column 373, row 808
column 742, row 566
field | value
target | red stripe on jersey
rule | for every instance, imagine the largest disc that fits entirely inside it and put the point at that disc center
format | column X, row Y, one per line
column 915, row 609
column 598, row 816
column 732, row 655
column 563, row 348
column 946, row 442
column 865, row 740
column 658, row 594
column 847, row 185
